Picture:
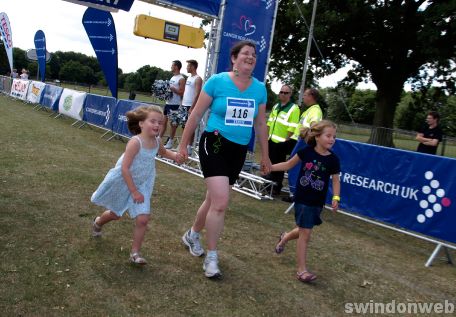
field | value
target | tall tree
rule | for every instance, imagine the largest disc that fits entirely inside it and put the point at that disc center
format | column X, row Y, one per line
column 391, row 41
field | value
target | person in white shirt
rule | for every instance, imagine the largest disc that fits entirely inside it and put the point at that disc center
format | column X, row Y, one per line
column 192, row 90
column 24, row 74
column 177, row 86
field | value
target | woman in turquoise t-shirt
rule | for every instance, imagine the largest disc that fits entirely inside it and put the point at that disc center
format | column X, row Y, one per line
column 237, row 102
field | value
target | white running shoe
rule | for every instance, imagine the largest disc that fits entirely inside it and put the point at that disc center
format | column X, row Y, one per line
column 210, row 267
column 194, row 245
column 169, row 144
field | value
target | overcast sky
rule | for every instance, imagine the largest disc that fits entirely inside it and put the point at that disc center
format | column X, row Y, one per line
column 61, row 23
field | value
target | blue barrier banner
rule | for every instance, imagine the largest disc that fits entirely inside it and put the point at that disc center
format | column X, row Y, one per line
column 51, row 96
column 411, row 190
column 101, row 31
column 40, row 46
column 98, row 111
column 119, row 124
column 247, row 20
column 294, row 172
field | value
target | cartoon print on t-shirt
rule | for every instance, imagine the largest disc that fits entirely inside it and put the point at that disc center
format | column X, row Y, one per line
column 310, row 178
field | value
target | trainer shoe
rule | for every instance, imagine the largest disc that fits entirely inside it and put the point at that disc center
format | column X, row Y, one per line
column 169, row 144
column 193, row 244
column 210, row 267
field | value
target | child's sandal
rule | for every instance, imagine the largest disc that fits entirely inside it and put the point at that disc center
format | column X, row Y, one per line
column 279, row 248
column 135, row 258
column 96, row 228
column 306, row 276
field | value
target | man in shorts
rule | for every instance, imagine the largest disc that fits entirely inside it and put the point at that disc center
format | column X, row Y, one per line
column 192, row 90
column 177, row 86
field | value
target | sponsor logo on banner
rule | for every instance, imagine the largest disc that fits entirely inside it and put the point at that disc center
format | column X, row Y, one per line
column 68, row 102
column 434, row 200
column 250, row 20
column 19, row 88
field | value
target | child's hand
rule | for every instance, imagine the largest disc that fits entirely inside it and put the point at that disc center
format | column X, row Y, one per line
column 138, row 198
column 179, row 158
column 335, row 205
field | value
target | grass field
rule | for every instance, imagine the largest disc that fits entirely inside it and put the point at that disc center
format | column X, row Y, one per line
column 51, row 266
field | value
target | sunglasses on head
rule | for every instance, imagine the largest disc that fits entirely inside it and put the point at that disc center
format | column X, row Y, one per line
column 284, row 92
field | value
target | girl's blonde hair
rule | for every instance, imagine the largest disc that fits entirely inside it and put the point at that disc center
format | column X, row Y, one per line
column 135, row 116
column 317, row 129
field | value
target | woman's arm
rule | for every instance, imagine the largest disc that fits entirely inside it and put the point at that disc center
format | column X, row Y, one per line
column 261, row 130
column 203, row 103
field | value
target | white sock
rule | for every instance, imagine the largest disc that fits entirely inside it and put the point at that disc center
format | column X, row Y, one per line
column 193, row 234
column 212, row 253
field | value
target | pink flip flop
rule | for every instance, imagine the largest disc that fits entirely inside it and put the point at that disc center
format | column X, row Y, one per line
column 279, row 249
column 306, row 279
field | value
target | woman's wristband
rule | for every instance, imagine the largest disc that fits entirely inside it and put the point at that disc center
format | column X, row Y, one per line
column 336, row 198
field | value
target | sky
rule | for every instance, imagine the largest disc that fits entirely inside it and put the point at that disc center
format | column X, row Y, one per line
column 61, row 23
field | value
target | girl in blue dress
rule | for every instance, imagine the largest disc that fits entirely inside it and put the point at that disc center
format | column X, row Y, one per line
column 129, row 185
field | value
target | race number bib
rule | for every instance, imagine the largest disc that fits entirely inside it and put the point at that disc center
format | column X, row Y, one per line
column 239, row 112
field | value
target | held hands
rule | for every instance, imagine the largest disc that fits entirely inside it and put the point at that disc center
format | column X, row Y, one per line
column 265, row 165
column 182, row 154
column 138, row 198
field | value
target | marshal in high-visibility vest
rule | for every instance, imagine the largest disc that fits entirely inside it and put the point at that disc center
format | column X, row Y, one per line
column 282, row 120
column 166, row 31
column 312, row 114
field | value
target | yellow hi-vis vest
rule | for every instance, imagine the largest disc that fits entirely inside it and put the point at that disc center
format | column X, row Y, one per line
column 312, row 114
column 283, row 119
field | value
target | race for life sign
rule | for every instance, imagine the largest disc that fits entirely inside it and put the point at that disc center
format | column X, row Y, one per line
column 35, row 91
column 19, row 88
column 251, row 20
column 240, row 112
column 71, row 103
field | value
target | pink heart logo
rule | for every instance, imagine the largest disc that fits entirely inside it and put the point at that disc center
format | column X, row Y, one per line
column 249, row 27
column 309, row 165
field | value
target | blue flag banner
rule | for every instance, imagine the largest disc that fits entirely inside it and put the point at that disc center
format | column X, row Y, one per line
column 98, row 111
column 101, row 31
column 410, row 190
column 120, row 120
column 40, row 46
column 51, row 97
column 247, row 20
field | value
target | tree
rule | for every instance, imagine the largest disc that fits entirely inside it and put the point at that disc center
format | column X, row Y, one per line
column 391, row 41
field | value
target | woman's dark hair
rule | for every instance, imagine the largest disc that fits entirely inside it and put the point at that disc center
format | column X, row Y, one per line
column 238, row 47
column 135, row 116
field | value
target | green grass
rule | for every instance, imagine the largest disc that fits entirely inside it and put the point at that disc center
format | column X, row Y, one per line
column 51, row 266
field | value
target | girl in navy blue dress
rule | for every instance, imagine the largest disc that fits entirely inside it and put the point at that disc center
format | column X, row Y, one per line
column 318, row 164
column 129, row 185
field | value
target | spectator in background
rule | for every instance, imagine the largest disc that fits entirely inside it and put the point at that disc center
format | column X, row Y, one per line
column 283, row 121
column 14, row 74
column 24, row 74
column 430, row 134
column 192, row 90
column 177, row 86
